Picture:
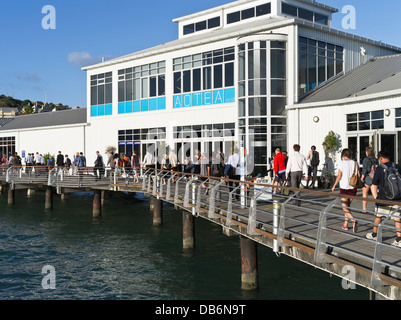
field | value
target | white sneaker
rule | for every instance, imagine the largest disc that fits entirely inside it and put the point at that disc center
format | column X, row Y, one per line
column 370, row 236
column 396, row 243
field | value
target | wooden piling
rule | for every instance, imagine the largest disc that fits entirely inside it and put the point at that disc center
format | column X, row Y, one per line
column 49, row 198
column 188, row 230
column 157, row 212
column 11, row 195
column 151, row 203
column 249, row 264
column 97, row 203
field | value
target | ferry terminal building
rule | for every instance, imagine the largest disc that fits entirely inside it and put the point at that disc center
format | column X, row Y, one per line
column 257, row 74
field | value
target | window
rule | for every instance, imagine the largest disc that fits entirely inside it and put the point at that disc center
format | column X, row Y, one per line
column 304, row 13
column 101, row 92
column 318, row 62
column 249, row 13
column 201, row 25
column 364, row 121
column 205, row 71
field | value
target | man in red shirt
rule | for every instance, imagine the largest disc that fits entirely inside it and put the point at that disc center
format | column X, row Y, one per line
column 279, row 167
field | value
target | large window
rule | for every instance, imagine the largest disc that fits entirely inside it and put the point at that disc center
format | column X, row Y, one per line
column 318, row 62
column 249, row 13
column 202, row 25
column 142, row 88
column 304, row 13
column 7, row 146
column 371, row 120
column 101, row 94
column 203, row 78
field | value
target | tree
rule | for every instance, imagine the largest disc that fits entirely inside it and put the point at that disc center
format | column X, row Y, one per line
column 331, row 145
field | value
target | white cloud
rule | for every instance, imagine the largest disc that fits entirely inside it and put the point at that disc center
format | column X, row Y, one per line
column 82, row 59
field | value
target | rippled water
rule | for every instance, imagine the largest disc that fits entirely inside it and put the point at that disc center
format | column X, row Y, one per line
column 122, row 256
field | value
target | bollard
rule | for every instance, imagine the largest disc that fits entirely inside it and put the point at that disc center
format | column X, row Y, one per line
column 157, row 212
column 249, row 264
column 96, row 204
column 276, row 217
column 49, row 198
column 188, row 230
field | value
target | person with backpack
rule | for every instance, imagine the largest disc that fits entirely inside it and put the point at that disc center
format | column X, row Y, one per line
column 370, row 164
column 313, row 156
column 386, row 185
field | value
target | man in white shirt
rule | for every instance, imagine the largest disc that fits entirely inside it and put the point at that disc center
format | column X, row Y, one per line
column 233, row 172
column 297, row 168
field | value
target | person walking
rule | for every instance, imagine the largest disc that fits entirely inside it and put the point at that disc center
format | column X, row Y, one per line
column 67, row 164
column 60, row 161
column 369, row 165
column 99, row 166
column 346, row 169
column 135, row 164
column 296, row 169
column 231, row 171
column 313, row 156
column 279, row 168
column 50, row 162
column 378, row 192
column 29, row 163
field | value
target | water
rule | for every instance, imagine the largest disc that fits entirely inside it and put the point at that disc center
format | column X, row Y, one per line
column 122, row 256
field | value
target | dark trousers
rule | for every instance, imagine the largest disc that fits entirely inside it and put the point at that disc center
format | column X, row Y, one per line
column 296, row 178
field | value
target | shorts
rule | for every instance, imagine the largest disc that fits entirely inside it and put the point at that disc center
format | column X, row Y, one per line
column 383, row 211
column 280, row 177
column 349, row 192
column 368, row 181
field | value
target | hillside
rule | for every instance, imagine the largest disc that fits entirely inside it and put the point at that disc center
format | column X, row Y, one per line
column 26, row 106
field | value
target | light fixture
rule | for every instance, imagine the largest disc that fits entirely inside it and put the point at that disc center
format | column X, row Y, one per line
column 316, row 119
column 387, row 112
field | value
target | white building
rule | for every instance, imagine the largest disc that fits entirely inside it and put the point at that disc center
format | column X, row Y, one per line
column 226, row 79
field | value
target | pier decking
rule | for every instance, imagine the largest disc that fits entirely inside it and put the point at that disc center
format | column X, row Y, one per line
column 310, row 232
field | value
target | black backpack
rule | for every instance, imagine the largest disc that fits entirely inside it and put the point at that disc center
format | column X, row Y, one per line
column 314, row 162
column 392, row 182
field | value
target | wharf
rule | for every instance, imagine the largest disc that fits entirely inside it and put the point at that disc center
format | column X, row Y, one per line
column 310, row 233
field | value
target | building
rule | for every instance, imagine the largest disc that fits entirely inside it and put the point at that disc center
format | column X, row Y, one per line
column 225, row 82
column 8, row 112
column 363, row 106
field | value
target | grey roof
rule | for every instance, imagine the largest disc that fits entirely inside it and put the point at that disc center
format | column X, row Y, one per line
column 378, row 75
column 7, row 109
column 4, row 121
column 59, row 118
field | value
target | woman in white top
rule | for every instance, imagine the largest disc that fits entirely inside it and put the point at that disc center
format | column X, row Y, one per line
column 345, row 171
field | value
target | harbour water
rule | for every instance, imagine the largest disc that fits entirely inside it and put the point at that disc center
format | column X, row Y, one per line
column 122, row 256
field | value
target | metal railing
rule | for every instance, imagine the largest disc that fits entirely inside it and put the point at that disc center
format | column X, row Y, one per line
column 254, row 207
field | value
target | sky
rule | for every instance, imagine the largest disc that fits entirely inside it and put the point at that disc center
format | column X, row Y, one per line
column 45, row 64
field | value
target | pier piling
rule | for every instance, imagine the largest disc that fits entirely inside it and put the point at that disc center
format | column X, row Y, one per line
column 49, row 198
column 188, row 230
column 157, row 212
column 11, row 195
column 249, row 264
column 97, row 203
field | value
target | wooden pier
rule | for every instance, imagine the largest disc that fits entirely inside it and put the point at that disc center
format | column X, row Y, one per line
column 310, row 233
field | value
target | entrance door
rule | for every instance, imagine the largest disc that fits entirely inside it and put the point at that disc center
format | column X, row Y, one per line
column 388, row 141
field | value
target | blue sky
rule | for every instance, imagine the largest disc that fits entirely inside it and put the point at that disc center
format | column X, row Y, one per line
column 35, row 62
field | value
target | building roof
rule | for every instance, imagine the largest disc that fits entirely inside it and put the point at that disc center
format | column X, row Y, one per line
column 4, row 121
column 378, row 75
column 48, row 119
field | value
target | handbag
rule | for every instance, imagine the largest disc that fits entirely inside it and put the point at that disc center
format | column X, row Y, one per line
column 285, row 192
column 355, row 181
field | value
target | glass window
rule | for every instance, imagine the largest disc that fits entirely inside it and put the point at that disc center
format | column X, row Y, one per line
column 94, row 96
column 137, row 89
column 161, row 85
column 213, row 23
column 278, row 63
column 263, row 9
column 305, row 14
column 289, row 9
column 233, row 17
column 188, row 29
column 207, row 78
column 200, row 26
column 100, row 94
column 229, row 74
column 109, row 93
column 320, row 18
column 218, row 76
column 121, row 91
column 278, row 106
column 186, row 81
column 153, row 87
column 248, row 13
column 145, row 88
column 177, row 82
column 196, row 79
column 257, row 106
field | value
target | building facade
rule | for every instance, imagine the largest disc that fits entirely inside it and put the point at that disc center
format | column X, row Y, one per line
column 224, row 83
